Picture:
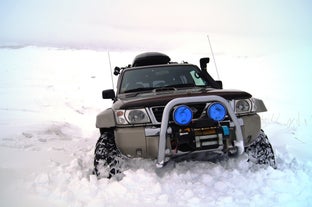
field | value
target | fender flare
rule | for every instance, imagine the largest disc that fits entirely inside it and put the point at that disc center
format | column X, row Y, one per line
column 105, row 119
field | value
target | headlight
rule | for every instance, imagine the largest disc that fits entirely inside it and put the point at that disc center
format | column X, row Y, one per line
column 216, row 111
column 133, row 116
column 182, row 115
column 243, row 106
column 137, row 116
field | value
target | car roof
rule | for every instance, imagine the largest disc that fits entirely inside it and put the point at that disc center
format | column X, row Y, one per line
column 159, row 66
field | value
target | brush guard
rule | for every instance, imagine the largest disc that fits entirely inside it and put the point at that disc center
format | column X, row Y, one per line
column 239, row 142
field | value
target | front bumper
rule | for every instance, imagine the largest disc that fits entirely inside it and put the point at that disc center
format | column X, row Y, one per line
column 156, row 141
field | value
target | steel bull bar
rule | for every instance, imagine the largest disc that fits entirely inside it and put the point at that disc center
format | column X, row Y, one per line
column 239, row 143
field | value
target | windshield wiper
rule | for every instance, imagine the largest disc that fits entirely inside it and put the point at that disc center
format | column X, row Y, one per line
column 139, row 89
column 185, row 85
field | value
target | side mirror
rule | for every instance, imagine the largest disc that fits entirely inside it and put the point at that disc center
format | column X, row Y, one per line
column 203, row 63
column 108, row 94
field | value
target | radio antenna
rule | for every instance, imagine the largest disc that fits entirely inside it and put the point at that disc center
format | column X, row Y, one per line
column 110, row 67
column 214, row 60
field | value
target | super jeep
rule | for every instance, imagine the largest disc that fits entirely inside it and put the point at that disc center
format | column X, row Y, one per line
column 164, row 110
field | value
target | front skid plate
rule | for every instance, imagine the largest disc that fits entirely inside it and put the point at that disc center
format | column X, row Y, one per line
column 211, row 156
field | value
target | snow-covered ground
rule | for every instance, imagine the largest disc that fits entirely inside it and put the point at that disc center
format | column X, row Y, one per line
column 49, row 100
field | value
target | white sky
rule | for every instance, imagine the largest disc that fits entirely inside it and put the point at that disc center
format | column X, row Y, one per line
column 241, row 27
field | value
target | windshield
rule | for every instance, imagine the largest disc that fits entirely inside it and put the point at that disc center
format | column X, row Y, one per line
column 161, row 77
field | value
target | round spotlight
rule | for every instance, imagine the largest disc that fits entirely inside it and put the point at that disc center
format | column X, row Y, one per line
column 216, row 111
column 182, row 115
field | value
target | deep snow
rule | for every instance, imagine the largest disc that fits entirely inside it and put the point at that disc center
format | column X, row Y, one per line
column 49, row 100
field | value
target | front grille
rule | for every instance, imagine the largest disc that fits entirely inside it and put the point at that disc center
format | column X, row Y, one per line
column 158, row 111
column 196, row 108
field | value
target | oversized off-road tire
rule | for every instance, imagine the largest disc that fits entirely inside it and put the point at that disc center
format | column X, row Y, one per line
column 106, row 156
column 261, row 151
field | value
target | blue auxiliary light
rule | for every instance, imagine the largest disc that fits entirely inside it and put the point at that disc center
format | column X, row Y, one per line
column 182, row 115
column 216, row 111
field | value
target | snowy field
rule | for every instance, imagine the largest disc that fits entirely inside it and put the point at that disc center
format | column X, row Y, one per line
column 49, row 100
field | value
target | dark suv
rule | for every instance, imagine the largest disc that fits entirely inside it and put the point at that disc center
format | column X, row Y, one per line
column 164, row 110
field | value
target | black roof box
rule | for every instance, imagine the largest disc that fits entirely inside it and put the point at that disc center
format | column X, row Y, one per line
column 150, row 58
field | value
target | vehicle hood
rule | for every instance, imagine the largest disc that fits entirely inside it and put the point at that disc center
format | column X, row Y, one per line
column 128, row 101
